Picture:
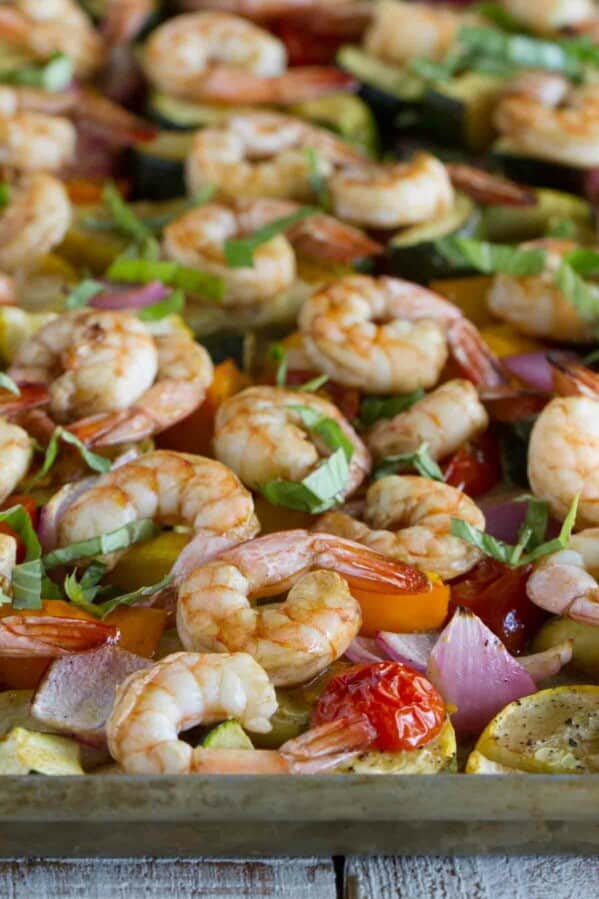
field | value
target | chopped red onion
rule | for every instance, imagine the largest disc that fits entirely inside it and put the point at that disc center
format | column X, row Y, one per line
column 534, row 369
column 364, row 650
column 504, row 520
column 130, row 297
column 411, row 649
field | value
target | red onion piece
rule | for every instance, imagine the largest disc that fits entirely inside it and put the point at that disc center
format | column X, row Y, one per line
column 591, row 185
column 473, row 671
column 364, row 650
column 504, row 520
column 534, row 369
column 548, row 663
column 411, row 649
column 128, row 297
column 53, row 511
column 77, row 692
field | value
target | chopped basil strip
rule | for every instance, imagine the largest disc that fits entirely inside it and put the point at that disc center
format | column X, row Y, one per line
column 102, row 545
column 312, row 385
column 489, row 258
column 171, row 305
column 317, row 180
column 92, row 460
column 5, row 194
column 18, row 520
column 84, row 292
column 157, row 223
column 27, row 585
column 54, row 75
column 527, row 549
column 4, row 599
column 495, row 13
column 7, row 383
column 239, row 252
column 517, row 51
column 129, row 599
column 123, row 217
column 143, row 271
column 320, row 490
column 326, row 428
column 277, row 354
column 375, row 408
column 420, row 461
column 582, row 295
column 534, row 527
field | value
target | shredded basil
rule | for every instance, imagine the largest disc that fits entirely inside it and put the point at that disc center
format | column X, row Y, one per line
column 277, row 354
column 582, row 295
column 317, row 492
column 239, row 252
column 312, row 385
column 490, row 258
column 317, row 180
column 122, row 538
column 420, row 460
column 173, row 304
column 134, row 270
column 5, row 194
column 54, row 75
column 27, row 577
column 92, row 460
column 326, row 428
column 85, row 291
column 7, row 383
column 375, row 408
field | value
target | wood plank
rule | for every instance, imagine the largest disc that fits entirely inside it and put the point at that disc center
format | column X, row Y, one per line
column 167, row 879
column 481, row 877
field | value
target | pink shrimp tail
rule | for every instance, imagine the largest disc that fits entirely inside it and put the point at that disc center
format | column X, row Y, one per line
column 329, row 745
column 484, row 187
column 46, row 636
column 325, row 238
column 30, row 397
column 573, row 379
column 365, row 568
column 473, row 356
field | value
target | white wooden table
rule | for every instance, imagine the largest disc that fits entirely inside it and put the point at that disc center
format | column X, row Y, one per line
column 312, row 878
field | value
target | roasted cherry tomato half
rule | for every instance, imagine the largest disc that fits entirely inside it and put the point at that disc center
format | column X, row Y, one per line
column 403, row 706
column 475, row 468
column 497, row 594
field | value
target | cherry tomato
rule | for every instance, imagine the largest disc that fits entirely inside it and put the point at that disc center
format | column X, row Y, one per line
column 497, row 594
column 403, row 706
column 475, row 468
column 30, row 507
column 304, row 48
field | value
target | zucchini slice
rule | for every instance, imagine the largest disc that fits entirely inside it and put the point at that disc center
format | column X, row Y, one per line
column 158, row 167
column 412, row 253
column 537, row 172
column 392, row 81
column 460, row 112
column 348, row 116
column 439, row 754
column 228, row 735
column 183, row 115
column 514, row 224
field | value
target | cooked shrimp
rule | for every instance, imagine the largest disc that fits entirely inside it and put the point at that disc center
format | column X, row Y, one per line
column 8, row 560
column 444, row 420
column 16, row 451
column 35, row 220
column 223, row 58
column 46, row 27
column 547, row 16
column 107, row 365
column 33, row 141
column 393, row 194
column 385, row 335
column 259, row 433
column 566, row 133
column 264, row 154
column 534, row 305
column 400, row 32
column 408, row 518
column 563, row 583
column 295, row 639
column 261, row 10
column 173, row 489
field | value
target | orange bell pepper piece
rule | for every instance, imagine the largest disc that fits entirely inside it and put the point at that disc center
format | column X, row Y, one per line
column 88, row 192
column 140, row 632
column 403, row 612
column 194, row 434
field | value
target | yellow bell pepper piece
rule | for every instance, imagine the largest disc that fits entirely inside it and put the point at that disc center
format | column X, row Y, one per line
column 147, row 562
column 502, row 340
column 469, row 294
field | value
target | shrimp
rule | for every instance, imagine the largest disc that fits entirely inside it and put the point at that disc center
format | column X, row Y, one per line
column 444, row 420
column 564, row 582
column 33, row 141
column 264, row 10
column 8, row 560
column 567, row 134
column 259, row 433
column 534, row 305
column 264, row 154
column 392, row 195
column 46, row 27
column 401, row 32
column 549, row 16
column 222, row 58
column 296, row 639
column 408, row 518
column 386, row 335
column 105, row 364
column 187, row 689
column 16, row 451
column 51, row 637
column 35, row 220
column 173, row 489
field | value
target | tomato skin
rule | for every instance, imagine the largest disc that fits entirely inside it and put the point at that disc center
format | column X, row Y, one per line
column 305, row 48
column 497, row 594
column 403, row 706
column 475, row 468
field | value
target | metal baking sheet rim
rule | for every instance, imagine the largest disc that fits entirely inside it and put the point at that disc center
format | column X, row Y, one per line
column 121, row 816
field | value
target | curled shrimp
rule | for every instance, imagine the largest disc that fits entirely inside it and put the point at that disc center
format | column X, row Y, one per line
column 34, row 141
column 566, row 133
column 106, row 364
column 16, row 451
column 444, row 419
column 298, row 638
column 534, row 305
column 8, row 560
column 186, row 689
column 564, row 583
column 408, row 519
column 223, row 58
column 400, row 32
column 549, row 16
column 259, row 433
column 34, row 221
column 171, row 488
column 393, row 194
column 386, row 335
column 264, row 154
column 46, row 27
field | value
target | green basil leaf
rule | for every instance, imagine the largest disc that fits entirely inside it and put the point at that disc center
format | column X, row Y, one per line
column 317, row 180
column 376, row 408
column 123, row 217
column 312, row 385
column 7, row 383
column 54, row 75
column 499, row 16
column 143, row 271
column 584, row 261
column 83, row 293
column 582, row 295
column 103, row 545
column 535, row 522
column 18, row 520
column 4, row 599
column 174, row 304
column 438, row 71
column 157, row 223
column 420, row 460
column 326, row 428
column 239, row 252
column 129, row 599
column 27, row 585
column 277, row 354
column 94, row 461
column 50, row 590
column 317, row 492
column 518, row 50
column 489, row 258
column 5, row 194
column 561, row 541
column 490, row 546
